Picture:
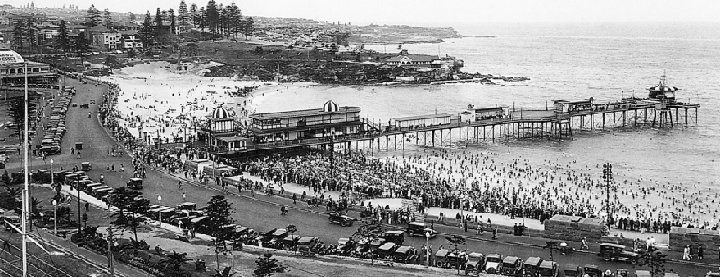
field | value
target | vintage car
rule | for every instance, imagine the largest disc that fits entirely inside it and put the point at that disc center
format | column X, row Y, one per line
column 419, row 229
column 186, row 206
column 341, row 219
column 405, row 254
column 135, row 183
column 386, row 250
column 287, row 243
column 548, row 269
column 398, row 237
column 344, row 246
column 86, row 166
column 571, row 270
column 441, row 258
column 642, row 273
column 456, row 259
column 530, row 267
column 591, row 270
column 616, row 252
column 493, row 263
column 475, row 263
column 305, row 245
column 512, row 266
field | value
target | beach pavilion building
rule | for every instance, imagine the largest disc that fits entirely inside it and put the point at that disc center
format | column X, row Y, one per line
column 221, row 134
column 330, row 121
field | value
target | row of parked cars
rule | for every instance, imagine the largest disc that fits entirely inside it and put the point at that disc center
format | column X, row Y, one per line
column 55, row 127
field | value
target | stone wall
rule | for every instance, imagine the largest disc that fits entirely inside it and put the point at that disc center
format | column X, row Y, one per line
column 709, row 239
column 574, row 228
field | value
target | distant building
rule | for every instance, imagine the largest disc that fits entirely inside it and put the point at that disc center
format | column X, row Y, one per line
column 221, row 134
column 330, row 121
column 103, row 38
column 130, row 40
column 38, row 73
column 405, row 59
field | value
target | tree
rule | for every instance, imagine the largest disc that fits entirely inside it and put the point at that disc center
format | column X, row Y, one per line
column 132, row 17
column 212, row 16
column 82, row 44
column 171, row 14
column 267, row 266
column 6, row 179
column 194, row 15
column 248, row 28
column 146, row 31
column 61, row 41
column 129, row 207
column 158, row 22
column 655, row 261
column 218, row 213
column 202, row 19
column 18, row 33
column 107, row 19
column 292, row 229
column 93, row 17
column 183, row 15
column 31, row 32
column 225, row 272
column 456, row 240
column 174, row 263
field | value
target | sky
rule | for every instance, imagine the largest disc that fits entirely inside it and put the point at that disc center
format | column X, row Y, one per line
column 439, row 13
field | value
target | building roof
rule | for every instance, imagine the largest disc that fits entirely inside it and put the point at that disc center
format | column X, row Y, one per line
column 101, row 29
column 414, row 57
column 303, row 113
column 416, row 117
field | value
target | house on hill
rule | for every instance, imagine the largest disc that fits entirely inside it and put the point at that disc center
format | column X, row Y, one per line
column 104, row 38
column 406, row 59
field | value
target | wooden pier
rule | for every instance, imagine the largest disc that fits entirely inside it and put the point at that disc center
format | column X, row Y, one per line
column 519, row 125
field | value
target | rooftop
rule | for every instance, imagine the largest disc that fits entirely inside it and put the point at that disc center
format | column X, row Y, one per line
column 303, row 113
column 416, row 117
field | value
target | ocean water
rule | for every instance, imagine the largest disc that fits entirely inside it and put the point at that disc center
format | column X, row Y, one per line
column 572, row 62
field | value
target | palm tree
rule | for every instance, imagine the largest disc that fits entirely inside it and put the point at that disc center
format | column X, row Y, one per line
column 175, row 261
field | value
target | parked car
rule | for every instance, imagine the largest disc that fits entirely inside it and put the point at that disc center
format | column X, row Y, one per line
column 493, row 263
column 531, row 266
column 405, row 254
column 571, row 270
column 398, row 237
column 135, row 183
column 475, row 264
column 591, row 270
column 512, row 266
column 341, row 219
column 549, row 269
column 419, row 229
column 616, row 252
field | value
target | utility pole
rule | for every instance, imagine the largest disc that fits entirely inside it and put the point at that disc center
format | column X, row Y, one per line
column 111, row 265
column 607, row 175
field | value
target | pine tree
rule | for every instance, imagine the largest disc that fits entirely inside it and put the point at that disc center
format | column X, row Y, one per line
column 183, row 16
column 61, row 42
column 267, row 265
column 158, row 23
column 93, row 17
column 212, row 17
column 218, row 213
column 171, row 14
column 19, row 32
column 31, row 32
column 202, row 19
column 235, row 19
column 132, row 17
column 249, row 28
column 146, row 31
column 194, row 14
column 107, row 18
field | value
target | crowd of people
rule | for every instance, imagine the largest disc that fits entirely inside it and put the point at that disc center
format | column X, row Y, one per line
column 484, row 182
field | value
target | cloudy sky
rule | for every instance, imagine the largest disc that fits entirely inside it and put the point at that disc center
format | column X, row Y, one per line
column 440, row 12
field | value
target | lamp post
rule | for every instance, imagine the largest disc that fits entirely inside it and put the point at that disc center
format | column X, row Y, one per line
column 159, row 212
column 427, row 249
column 54, row 203
column 77, row 188
column 52, row 176
column 607, row 175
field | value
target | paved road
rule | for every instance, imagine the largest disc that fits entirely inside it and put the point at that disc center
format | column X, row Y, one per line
column 261, row 212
